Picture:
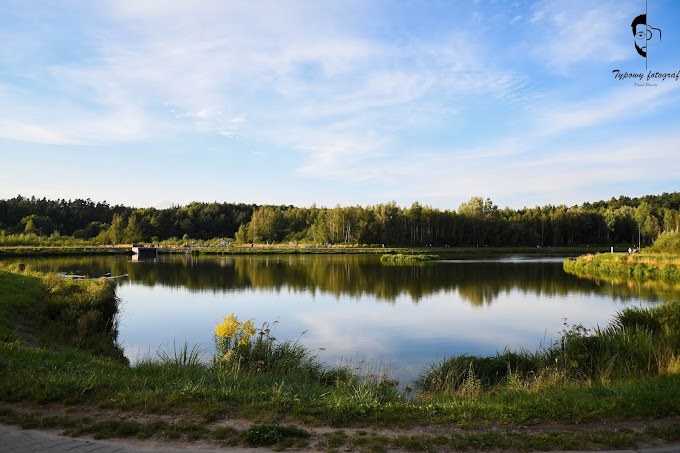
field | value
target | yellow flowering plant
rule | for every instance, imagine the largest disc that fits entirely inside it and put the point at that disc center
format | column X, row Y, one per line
column 233, row 338
column 242, row 348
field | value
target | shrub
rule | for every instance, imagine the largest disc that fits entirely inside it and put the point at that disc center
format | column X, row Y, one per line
column 668, row 242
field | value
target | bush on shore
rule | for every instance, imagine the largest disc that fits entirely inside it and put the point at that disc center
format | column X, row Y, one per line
column 667, row 242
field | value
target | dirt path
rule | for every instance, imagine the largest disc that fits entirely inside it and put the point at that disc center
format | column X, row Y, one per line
column 319, row 435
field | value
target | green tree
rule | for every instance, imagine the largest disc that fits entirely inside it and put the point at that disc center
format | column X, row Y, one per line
column 641, row 213
column 30, row 227
column 117, row 229
column 610, row 220
column 481, row 216
column 671, row 220
column 133, row 231
column 650, row 229
column 266, row 225
column 241, row 236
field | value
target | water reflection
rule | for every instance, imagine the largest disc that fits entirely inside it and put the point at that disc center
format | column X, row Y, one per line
column 480, row 282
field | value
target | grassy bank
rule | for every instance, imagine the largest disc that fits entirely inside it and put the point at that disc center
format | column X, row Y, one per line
column 51, row 356
column 55, row 312
column 625, row 266
column 660, row 262
column 29, row 251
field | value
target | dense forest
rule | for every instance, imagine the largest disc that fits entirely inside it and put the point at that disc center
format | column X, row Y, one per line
column 478, row 222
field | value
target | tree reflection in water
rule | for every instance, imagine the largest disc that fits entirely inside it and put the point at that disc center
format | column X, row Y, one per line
column 479, row 282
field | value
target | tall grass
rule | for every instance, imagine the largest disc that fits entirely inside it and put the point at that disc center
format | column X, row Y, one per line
column 182, row 357
column 638, row 343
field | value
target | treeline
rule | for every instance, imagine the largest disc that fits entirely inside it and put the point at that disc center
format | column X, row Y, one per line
column 478, row 222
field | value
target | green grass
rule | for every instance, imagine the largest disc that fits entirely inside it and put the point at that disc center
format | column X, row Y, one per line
column 17, row 294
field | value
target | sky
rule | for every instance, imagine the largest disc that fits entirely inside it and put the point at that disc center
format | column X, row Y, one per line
column 352, row 102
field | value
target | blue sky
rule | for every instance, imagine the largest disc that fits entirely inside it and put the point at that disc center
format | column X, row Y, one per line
column 155, row 103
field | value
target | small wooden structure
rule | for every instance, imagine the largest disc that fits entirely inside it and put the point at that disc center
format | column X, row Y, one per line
column 141, row 250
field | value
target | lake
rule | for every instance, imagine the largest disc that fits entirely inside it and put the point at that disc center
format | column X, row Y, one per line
column 352, row 310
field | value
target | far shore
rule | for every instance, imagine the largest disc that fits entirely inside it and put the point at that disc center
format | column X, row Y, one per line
column 257, row 249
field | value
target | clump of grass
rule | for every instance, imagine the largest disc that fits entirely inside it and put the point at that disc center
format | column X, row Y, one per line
column 400, row 258
column 183, row 357
column 267, row 434
column 467, row 374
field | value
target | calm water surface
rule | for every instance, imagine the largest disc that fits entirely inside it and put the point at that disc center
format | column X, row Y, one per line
column 353, row 310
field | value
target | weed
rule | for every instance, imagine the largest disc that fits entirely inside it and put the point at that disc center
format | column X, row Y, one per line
column 267, row 435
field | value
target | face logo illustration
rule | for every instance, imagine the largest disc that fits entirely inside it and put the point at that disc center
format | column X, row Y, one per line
column 644, row 34
column 647, row 41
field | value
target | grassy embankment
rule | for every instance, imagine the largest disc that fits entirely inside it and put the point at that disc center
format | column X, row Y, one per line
column 59, row 250
column 58, row 350
column 660, row 262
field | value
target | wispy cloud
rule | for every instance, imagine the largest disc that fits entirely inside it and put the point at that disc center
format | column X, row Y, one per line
column 563, row 34
column 618, row 104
